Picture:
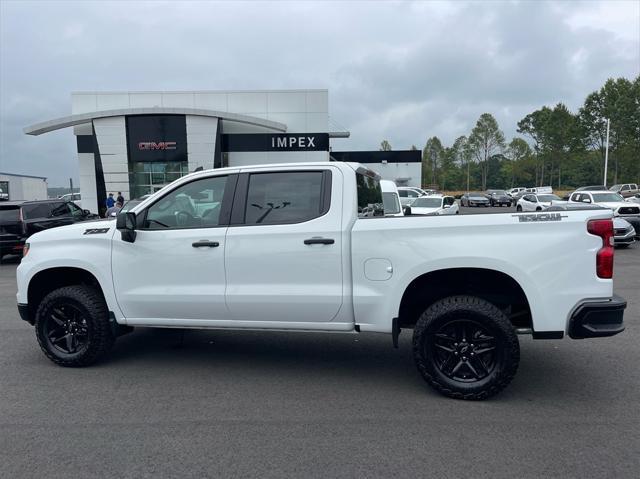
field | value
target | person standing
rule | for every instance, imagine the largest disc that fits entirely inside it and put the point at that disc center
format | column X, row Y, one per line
column 114, row 210
column 120, row 198
column 110, row 201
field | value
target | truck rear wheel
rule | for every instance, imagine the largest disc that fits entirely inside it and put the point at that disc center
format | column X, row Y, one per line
column 72, row 326
column 466, row 348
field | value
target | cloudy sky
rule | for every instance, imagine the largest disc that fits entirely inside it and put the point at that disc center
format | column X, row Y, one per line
column 403, row 71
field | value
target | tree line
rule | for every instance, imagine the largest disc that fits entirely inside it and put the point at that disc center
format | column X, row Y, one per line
column 557, row 147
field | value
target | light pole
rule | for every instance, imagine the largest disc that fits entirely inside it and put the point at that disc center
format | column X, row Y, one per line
column 606, row 155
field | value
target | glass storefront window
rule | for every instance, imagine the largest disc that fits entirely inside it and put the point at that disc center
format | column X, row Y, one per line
column 148, row 177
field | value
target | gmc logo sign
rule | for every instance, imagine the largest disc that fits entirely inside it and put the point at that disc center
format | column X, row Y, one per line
column 161, row 145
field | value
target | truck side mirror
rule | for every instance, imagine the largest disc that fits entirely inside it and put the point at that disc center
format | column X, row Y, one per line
column 126, row 223
column 406, row 210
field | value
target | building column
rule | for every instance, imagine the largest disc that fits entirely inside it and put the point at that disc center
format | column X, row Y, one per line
column 202, row 132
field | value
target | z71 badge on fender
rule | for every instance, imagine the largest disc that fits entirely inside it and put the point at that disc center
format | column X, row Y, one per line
column 96, row 231
column 540, row 217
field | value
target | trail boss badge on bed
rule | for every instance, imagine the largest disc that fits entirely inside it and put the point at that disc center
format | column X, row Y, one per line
column 539, row 217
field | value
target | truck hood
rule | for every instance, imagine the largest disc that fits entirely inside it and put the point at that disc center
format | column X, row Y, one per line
column 82, row 229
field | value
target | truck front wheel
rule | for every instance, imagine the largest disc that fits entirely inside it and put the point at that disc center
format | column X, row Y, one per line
column 466, row 348
column 72, row 326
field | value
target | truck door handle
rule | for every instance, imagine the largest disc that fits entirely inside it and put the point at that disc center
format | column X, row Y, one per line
column 319, row 241
column 205, row 243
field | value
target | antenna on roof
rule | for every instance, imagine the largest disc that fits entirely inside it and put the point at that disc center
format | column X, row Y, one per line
column 199, row 168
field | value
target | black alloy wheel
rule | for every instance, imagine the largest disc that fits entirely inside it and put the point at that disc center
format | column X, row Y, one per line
column 463, row 350
column 66, row 329
column 72, row 326
column 465, row 347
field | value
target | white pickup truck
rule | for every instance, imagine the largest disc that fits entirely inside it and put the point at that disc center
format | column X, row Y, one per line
column 282, row 247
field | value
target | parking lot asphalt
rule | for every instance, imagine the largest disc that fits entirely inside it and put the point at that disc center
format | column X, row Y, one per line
column 246, row 404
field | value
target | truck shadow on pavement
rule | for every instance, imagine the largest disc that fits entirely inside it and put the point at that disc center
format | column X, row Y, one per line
column 329, row 358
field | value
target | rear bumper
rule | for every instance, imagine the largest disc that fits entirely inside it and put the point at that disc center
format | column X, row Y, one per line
column 598, row 319
column 11, row 244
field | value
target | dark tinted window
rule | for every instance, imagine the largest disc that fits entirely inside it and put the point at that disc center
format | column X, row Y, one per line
column 194, row 205
column 9, row 214
column 370, row 201
column 287, row 197
column 60, row 209
column 36, row 210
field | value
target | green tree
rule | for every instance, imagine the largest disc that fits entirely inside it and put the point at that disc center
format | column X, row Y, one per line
column 517, row 153
column 385, row 146
column 431, row 158
column 486, row 140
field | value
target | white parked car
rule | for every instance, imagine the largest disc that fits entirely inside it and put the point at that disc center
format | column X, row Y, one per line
column 535, row 202
column 608, row 199
column 634, row 199
column 623, row 232
column 435, row 205
column 285, row 248
column 513, row 192
column 390, row 198
column 409, row 193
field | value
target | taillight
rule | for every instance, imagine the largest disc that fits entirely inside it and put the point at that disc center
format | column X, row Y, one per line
column 604, row 257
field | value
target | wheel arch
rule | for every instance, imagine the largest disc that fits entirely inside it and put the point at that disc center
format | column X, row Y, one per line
column 50, row 279
column 494, row 286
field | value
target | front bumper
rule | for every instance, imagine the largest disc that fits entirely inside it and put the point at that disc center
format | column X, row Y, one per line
column 598, row 319
column 628, row 237
column 23, row 309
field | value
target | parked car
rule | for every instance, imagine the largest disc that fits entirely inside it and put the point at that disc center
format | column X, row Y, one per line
column 538, row 202
column 390, row 198
column 606, row 198
column 287, row 250
column 632, row 219
column 4, row 196
column 623, row 232
column 634, row 199
column 408, row 194
column 498, row 198
column 626, row 190
column 21, row 219
column 540, row 189
column 435, row 205
column 474, row 198
column 514, row 191
column 75, row 197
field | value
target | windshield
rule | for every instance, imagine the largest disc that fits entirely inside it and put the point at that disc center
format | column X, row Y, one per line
column 547, row 198
column 615, row 188
column 607, row 197
column 497, row 192
column 475, row 193
column 391, row 203
column 427, row 203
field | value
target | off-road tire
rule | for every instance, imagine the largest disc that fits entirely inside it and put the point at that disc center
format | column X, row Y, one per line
column 92, row 308
column 459, row 309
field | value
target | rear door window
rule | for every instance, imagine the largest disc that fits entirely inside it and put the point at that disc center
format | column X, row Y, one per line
column 285, row 197
column 36, row 211
column 370, row 202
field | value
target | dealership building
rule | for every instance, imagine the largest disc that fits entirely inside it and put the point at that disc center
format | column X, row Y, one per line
column 137, row 142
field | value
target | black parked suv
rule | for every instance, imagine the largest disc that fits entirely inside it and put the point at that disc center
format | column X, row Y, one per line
column 20, row 219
